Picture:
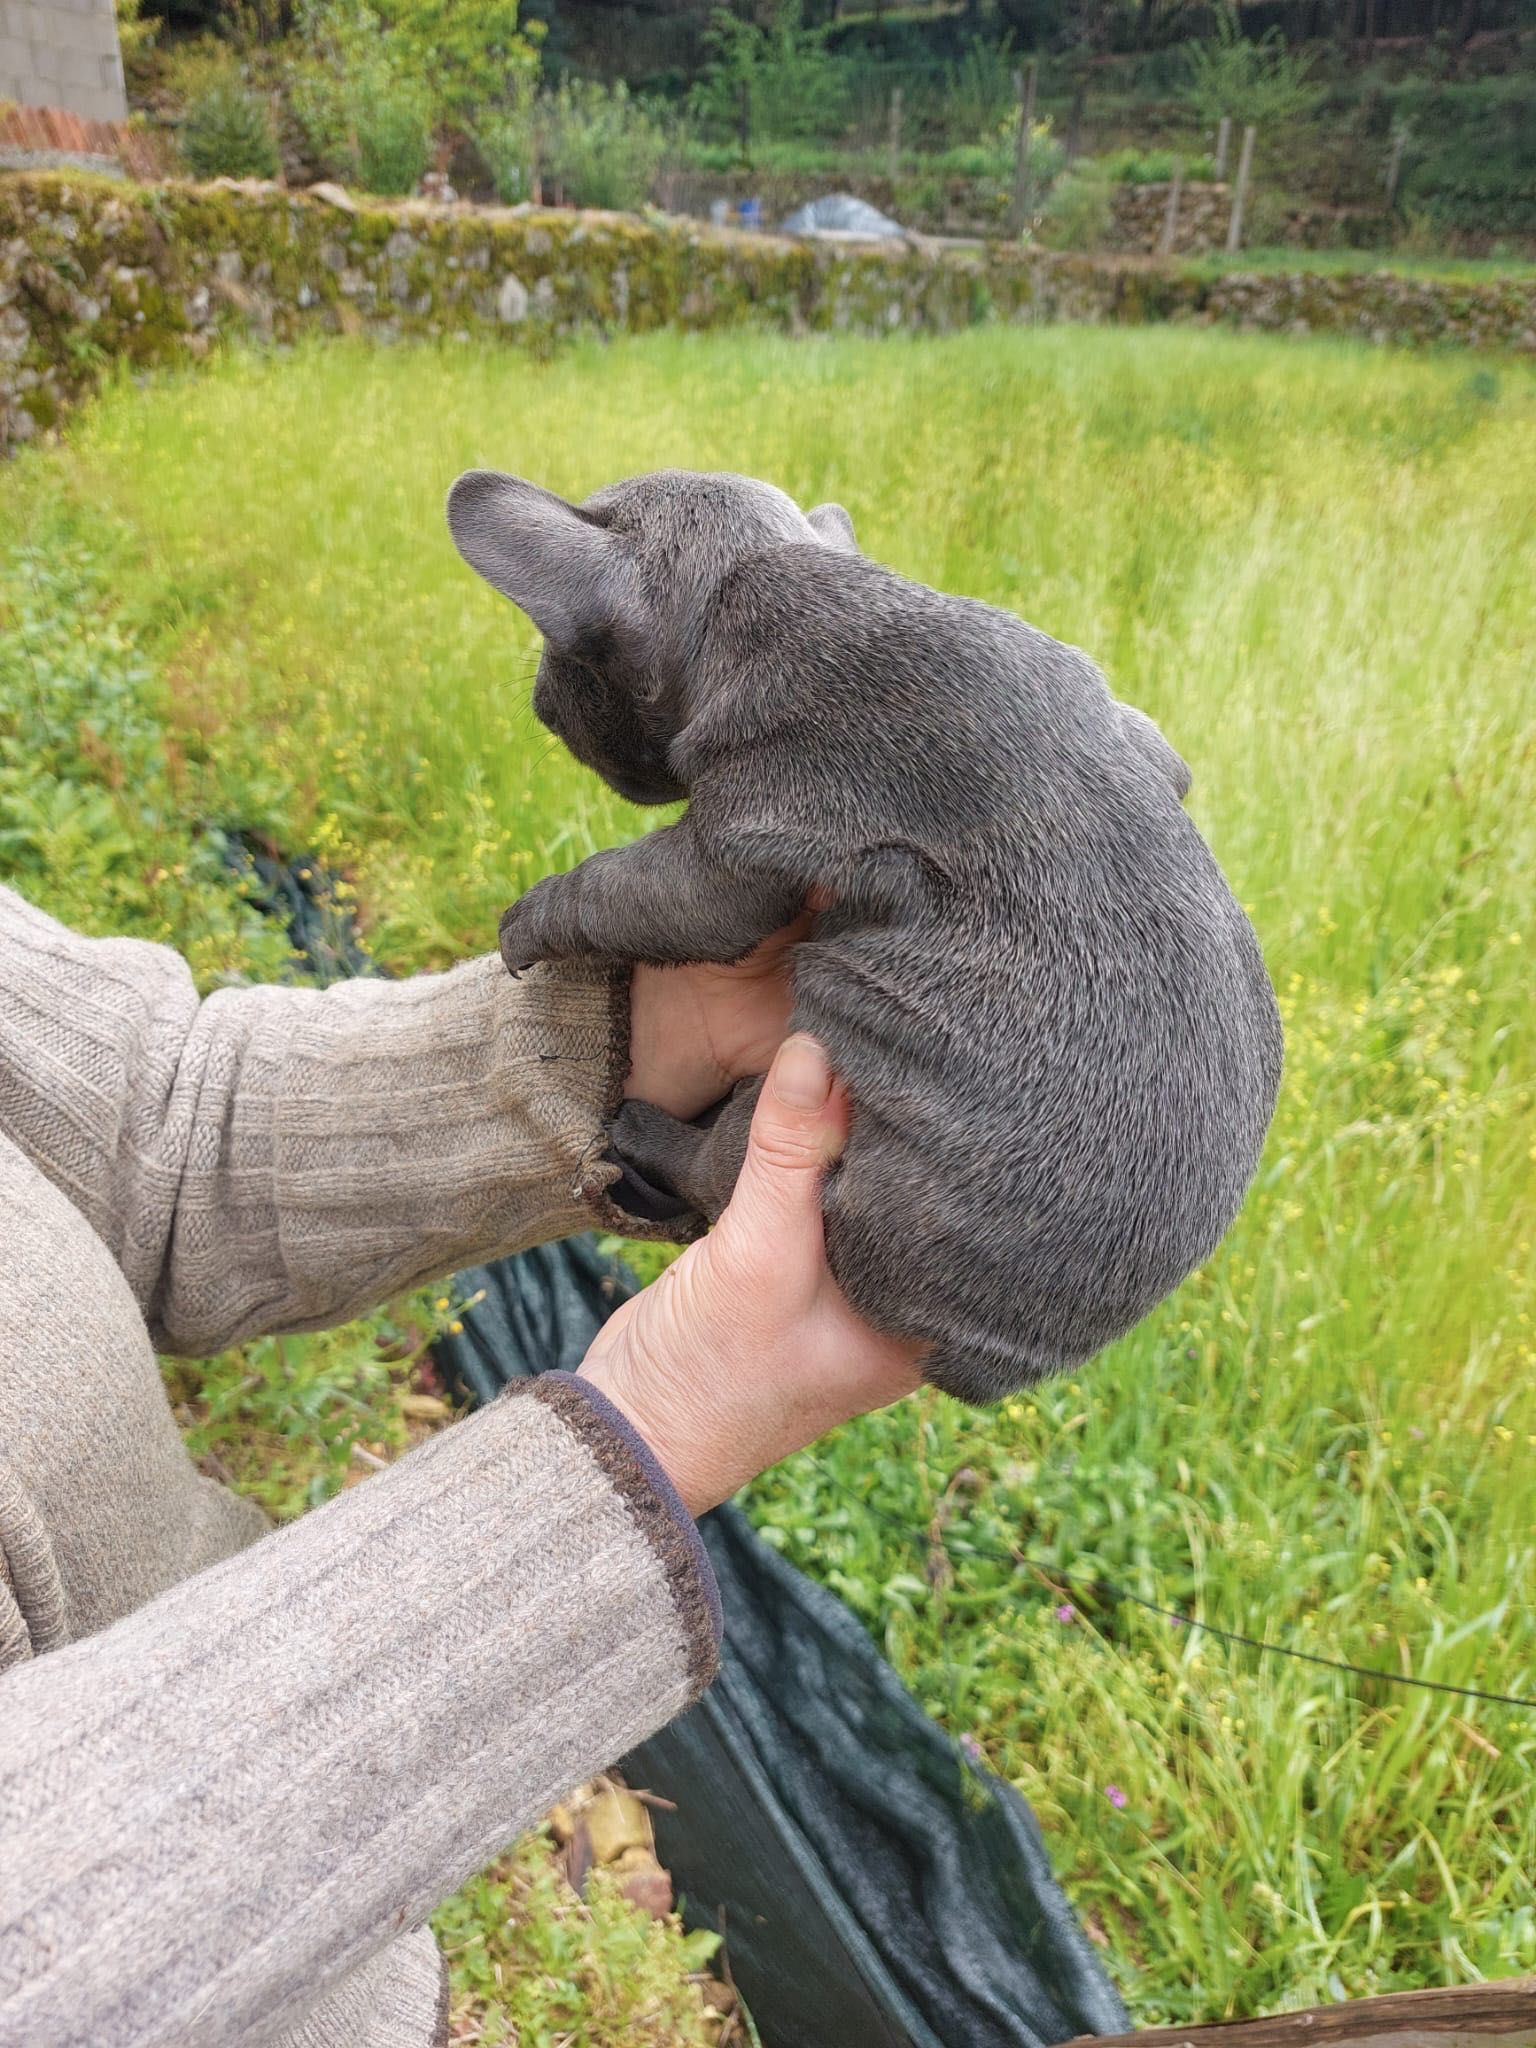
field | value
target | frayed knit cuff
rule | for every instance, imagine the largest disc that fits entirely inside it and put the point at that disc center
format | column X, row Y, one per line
column 654, row 1504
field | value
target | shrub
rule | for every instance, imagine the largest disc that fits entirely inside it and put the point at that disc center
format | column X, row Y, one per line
column 394, row 136
column 508, row 145
column 1153, row 166
column 604, row 146
column 471, row 54
column 781, row 78
column 974, row 160
column 1077, row 212
column 190, row 68
column 227, row 133
column 367, row 117
column 1046, row 154
column 136, row 31
column 979, row 93
column 1471, row 160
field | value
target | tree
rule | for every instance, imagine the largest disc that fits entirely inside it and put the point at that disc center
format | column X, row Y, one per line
column 778, row 81
column 1258, row 82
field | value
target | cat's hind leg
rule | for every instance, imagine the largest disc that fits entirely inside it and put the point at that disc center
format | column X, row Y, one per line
column 698, row 1162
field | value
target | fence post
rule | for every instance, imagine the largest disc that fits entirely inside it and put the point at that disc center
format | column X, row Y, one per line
column 1018, row 211
column 1223, row 144
column 1395, row 162
column 1075, row 118
column 1165, row 240
column 1240, row 196
column 893, row 136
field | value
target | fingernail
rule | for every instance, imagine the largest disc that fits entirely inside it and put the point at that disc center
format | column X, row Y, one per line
column 801, row 1077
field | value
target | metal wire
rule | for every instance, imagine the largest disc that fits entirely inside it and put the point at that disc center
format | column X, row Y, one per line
column 1111, row 1590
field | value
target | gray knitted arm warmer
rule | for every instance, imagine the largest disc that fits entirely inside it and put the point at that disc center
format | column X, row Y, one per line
column 233, row 1797
column 283, row 1158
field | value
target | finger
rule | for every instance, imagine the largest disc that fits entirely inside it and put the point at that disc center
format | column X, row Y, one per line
column 799, row 1128
column 766, row 956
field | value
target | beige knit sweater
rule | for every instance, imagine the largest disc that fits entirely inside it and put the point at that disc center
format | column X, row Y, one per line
column 237, row 1775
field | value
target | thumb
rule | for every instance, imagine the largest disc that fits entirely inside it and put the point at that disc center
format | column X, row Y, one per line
column 798, row 1129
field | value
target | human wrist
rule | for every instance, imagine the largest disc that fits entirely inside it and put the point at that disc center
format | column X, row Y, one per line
column 691, row 1457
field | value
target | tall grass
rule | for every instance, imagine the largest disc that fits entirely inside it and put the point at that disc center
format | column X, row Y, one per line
column 1314, row 565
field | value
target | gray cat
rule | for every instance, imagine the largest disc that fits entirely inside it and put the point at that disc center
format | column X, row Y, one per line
column 1060, row 1042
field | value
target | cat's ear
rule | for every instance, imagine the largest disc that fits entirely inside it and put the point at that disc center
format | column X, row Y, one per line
column 574, row 579
column 833, row 525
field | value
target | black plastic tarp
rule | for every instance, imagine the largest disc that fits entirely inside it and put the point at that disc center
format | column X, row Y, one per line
column 874, row 1888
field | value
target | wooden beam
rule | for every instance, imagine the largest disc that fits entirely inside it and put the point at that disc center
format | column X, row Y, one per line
column 1467, row 2016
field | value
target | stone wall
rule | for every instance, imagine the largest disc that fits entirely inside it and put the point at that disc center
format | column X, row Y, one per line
column 95, row 272
column 62, row 53
column 950, row 205
column 1137, row 213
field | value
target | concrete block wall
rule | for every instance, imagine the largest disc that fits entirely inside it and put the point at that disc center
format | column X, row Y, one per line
column 62, row 53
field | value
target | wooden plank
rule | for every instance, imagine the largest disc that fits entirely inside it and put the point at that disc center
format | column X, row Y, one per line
column 1467, row 2016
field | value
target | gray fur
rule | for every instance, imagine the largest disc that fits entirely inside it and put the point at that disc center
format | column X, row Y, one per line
column 1053, row 1018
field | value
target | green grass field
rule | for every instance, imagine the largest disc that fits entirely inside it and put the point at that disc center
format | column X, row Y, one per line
column 1316, row 567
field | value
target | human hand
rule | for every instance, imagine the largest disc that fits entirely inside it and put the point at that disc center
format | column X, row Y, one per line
column 745, row 1349
column 694, row 1032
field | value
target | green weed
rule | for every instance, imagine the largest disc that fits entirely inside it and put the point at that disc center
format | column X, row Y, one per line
column 535, row 1966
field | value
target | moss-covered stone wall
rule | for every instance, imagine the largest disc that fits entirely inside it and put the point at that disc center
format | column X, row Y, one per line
column 94, row 272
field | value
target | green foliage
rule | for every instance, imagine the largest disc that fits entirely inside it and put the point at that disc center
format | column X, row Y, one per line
column 1152, row 166
column 980, row 94
column 1261, row 81
column 376, row 81
column 227, row 133
column 1309, row 563
column 975, row 160
column 471, row 54
column 136, row 30
column 536, row 1966
column 1471, row 159
column 1362, row 262
column 190, row 67
column 779, row 81
column 1079, row 207
column 1046, row 155
column 94, row 820
column 366, row 111
column 508, row 140
column 393, row 134
column 603, row 146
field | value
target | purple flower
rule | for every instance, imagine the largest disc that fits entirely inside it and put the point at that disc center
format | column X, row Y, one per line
column 1066, row 1613
column 1115, row 1796
column 972, row 1750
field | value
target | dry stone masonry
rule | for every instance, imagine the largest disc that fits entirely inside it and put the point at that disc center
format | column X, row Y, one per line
column 95, row 272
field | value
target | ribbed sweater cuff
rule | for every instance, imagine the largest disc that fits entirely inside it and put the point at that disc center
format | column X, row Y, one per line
column 654, row 1505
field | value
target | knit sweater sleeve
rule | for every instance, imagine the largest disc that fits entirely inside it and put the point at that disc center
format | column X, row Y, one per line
column 282, row 1158
column 221, row 1805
